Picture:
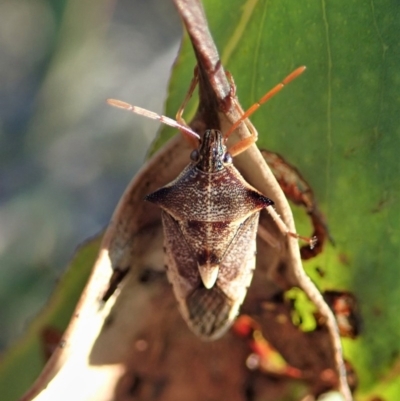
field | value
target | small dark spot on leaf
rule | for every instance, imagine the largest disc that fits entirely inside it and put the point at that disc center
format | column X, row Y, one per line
column 394, row 355
column 377, row 311
column 147, row 387
column 117, row 276
column 278, row 298
column 349, row 152
column 158, row 388
column 109, row 320
column 136, row 385
column 149, row 275
column 249, row 391
column 281, row 270
column 382, row 204
column 351, row 375
column 50, row 338
column 344, row 259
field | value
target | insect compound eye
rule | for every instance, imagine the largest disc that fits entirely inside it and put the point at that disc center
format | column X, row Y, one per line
column 194, row 156
column 227, row 158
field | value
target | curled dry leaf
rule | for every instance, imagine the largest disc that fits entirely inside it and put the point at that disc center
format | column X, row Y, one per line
column 127, row 340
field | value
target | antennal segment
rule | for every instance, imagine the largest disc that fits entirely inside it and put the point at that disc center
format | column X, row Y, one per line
column 264, row 99
column 192, row 137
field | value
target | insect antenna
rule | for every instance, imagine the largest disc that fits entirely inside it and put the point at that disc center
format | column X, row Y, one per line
column 245, row 143
column 192, row 137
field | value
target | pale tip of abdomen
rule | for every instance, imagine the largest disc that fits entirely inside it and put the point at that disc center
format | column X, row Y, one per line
column 209, row 275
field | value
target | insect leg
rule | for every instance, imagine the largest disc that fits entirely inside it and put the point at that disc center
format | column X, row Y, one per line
column 267, row 237
column 192, row 87
column 298, row 190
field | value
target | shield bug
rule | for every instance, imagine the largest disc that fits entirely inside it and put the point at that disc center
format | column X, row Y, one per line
column 210, row 218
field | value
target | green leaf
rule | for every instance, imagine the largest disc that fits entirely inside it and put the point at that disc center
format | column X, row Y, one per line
column 338, row 124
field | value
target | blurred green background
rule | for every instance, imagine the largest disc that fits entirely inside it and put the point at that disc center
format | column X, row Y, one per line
column 65, row 155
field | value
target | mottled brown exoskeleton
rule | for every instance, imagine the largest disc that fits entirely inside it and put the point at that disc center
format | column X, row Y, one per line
column 210, row 218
